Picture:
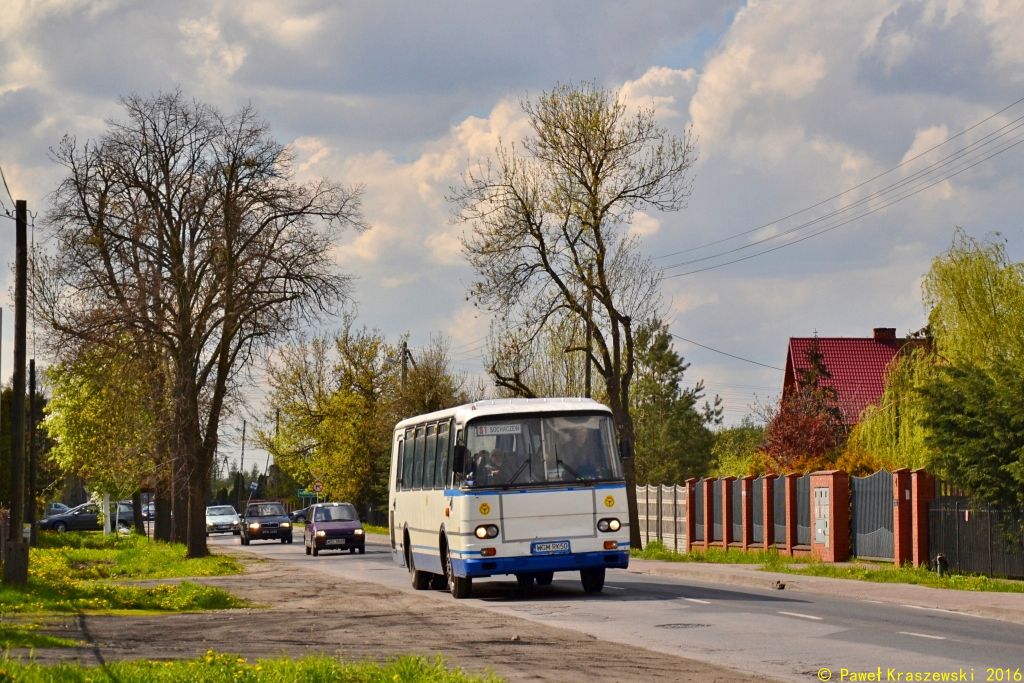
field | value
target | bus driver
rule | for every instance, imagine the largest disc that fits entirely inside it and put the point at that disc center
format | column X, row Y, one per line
column 581, row 457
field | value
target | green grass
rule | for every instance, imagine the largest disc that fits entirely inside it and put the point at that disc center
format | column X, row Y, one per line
column 656, row 550
column 373, row 529
column 920, row 577
column 221, row 668
column 26, row 635
column 69, row 572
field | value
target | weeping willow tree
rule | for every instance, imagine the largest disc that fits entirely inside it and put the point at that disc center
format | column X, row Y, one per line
column 975, row 297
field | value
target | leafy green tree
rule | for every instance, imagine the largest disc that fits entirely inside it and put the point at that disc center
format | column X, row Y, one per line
column 674, row 438
column 735, row 448
column 975, row 427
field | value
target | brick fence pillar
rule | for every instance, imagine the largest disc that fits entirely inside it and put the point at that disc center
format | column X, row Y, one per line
column 901, row 517
column 833, row 545
column 709, row 512
column 790, row 511
column 688, row 510
column 727, row 512
column 747, row 492
column 922, row 492
column 768, row 512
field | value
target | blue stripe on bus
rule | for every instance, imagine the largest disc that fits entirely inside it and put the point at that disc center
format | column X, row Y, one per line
column 537, row 563
column 456, row 493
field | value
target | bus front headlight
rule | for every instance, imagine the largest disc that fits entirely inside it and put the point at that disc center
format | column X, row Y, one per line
column 610, row 524
column 486, row 531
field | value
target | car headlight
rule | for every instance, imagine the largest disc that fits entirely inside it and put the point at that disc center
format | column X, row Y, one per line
column 286, row 525
column 486, row 531
column 234, row 522
column 209, row 524
column 321, row 534
column 359, row 532
column 611, row 524
column 254, row 526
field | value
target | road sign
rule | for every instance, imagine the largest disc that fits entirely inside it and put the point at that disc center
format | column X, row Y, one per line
column 306, row 493
column 318, row 486
column 253, row 486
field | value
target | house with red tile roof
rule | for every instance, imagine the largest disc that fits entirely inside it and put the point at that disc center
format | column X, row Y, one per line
column 857, row 367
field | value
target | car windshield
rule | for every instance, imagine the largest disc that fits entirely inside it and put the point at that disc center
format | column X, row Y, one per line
column 265, row 510
column 335, row 513
column 522, row 450
column 220, row 511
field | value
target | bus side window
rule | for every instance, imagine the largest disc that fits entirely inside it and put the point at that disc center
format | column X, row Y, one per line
column 398, row 467
column 417, row 468
column 428, row 459
column 441, row 475
column 408, row 460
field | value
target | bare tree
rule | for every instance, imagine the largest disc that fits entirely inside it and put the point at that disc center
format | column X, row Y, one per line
column 182, row 228
column 549, row 225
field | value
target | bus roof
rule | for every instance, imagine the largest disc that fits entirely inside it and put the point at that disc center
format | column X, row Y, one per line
column 506, row 406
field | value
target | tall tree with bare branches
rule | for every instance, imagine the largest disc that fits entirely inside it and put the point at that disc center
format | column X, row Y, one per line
column 183, row 230
column 549, row 222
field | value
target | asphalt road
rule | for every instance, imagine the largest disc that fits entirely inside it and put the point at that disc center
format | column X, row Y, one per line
column 787, row 635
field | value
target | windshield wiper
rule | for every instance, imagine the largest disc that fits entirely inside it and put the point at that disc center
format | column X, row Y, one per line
column 518, row 472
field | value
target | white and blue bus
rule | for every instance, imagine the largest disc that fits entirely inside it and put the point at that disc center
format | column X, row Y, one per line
column 509, row 486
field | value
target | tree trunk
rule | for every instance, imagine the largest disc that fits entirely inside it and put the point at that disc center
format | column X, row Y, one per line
column 198, row 489
column 140, row 524
column 179, row 501
column 624, row 426
column 162, row 508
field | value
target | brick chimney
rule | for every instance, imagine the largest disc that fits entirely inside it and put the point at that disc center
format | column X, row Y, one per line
column 885, row 334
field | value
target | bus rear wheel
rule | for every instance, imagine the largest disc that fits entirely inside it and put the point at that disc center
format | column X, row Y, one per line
column 593, row 579
column 460, row 587
column 420, row 580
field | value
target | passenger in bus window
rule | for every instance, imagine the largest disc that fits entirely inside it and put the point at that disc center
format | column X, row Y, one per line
column 583, row 454
column 498, row 467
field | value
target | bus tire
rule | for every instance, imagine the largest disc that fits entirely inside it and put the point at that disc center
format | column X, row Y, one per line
column 438, row 582
column 525, row 580
column 460, row 587
column 420, row 580
column 593, row 579
column 545, row 578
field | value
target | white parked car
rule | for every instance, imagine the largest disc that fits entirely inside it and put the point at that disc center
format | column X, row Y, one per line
column 222, row 519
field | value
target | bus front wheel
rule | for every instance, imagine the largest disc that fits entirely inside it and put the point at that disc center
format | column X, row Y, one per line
column 460, row 587
column 593, row 579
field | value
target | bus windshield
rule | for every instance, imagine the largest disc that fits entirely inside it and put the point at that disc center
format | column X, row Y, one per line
column 523, row 450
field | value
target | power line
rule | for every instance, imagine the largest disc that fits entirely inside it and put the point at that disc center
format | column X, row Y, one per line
column 746, row 360
column 848, row 220
column 949, row 163
column 836, row 196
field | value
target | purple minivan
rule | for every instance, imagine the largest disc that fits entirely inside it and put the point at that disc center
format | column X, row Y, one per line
column 333, row 526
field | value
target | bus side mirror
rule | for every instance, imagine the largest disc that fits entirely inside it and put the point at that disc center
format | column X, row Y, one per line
column 626, row 449
column 459, row 459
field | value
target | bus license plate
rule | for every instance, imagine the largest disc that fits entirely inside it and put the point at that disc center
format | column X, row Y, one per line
column 549, row 547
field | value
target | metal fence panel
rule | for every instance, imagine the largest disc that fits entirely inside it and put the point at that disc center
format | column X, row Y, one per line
column 975, row 539
column 871, row 518
column 641, row 512
column 736, row 534
column 757, row 509
column 697, row 510
column 803, row 510
column 779, row 511
column 671, row 512
column 716, row 510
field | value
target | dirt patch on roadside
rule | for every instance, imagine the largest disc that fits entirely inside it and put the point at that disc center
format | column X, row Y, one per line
column 356, row 620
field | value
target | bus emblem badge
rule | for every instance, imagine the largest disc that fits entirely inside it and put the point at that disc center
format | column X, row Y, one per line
column 609, row 502
column 485, row 509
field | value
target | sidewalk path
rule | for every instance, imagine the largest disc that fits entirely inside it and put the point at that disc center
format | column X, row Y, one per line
column 1003, row 606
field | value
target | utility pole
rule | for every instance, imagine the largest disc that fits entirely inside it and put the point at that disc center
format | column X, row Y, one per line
column 16, row 562
column 405, row 363
column 30, row 511
column 590, row 332
column 242, row 466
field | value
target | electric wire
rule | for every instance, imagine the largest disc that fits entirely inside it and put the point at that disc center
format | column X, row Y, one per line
column 841, row 223
column 847, row 191
column 746, row 360
column 945, row 165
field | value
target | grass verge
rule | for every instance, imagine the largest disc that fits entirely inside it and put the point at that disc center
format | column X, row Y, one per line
column 374, row 529
column 27, row 635
column 67, row 573
column 920, row 577
column 221, row 668
column 656, row 550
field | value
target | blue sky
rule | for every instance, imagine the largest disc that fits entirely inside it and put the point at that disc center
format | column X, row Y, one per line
column 791, row 102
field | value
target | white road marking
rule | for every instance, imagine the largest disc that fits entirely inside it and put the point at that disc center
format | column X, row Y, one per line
column 703, row 602
column 615, row 588
column 802, row 616
column 921, row 635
